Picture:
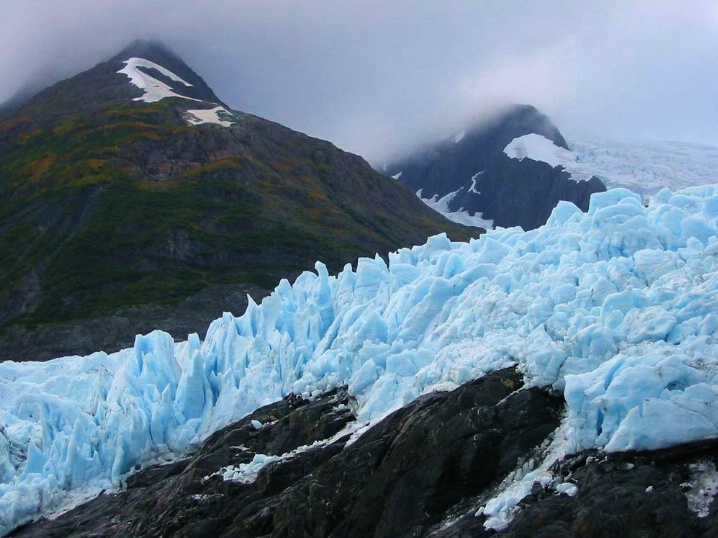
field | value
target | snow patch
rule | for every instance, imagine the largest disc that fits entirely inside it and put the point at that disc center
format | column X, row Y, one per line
column 155, row 90
column 473, row 182
column 397, row 176
column 441, row 205
column 539, row 148
column 459, row 137
column 703, row 488
column 198, row 117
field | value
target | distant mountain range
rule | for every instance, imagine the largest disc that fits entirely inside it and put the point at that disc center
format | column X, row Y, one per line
column 132, row 187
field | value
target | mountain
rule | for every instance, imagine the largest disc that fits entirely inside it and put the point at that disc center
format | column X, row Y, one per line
column 132, row 197
column 505, row 172
column 556, row 382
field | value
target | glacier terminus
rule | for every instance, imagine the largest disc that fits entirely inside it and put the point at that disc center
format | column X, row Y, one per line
column 615, row 309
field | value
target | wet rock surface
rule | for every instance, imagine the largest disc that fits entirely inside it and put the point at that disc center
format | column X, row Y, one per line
column 632, row 495
column 424, row 470
column 398, row 478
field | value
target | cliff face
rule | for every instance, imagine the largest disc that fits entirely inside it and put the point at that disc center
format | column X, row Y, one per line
column 294, row 468
column 113, row 201
column 483, row 179
column 523, row 193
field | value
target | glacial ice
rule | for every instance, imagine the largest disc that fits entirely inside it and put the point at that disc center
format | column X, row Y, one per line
column 616, row 308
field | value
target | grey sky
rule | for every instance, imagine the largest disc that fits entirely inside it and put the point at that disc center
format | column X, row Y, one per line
column 376, row 76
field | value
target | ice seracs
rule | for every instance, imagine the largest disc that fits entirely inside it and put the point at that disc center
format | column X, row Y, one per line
column 614, row 308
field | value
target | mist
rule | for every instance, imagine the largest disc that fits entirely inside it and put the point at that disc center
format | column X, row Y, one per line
column 377, row 77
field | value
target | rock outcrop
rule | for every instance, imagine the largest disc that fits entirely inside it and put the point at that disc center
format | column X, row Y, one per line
column 404, row 474
column 304, row 468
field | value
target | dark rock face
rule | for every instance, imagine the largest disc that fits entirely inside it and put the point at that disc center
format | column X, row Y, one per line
column 512, row 192
column 117, row 331
column 623, row 495
column 397, row 479
column 421, row 472
column 523, row 193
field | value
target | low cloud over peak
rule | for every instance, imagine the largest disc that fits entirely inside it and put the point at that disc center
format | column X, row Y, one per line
column 375, row 77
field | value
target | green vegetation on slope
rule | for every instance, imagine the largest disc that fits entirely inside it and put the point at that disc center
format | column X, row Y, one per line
column 124, row 204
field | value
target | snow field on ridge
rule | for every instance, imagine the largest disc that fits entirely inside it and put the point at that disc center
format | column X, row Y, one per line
column 155, row 90
column 539, row 148
column 616, row 308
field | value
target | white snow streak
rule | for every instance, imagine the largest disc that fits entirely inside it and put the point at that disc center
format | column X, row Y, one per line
column 441, row 205
column 155, row 90
column 198, row 117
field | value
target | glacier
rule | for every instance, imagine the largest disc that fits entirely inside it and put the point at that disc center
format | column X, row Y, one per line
column 615, row 308
column 647, row 166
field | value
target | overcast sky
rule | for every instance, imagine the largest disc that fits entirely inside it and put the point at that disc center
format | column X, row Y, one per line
column 375, row 76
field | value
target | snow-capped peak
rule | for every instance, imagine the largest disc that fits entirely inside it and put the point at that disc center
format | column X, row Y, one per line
column 155, row 90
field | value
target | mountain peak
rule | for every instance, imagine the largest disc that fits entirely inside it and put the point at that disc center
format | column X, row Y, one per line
column 152, row 64
column 150, row 49
column 481, row 175
column 132, row 74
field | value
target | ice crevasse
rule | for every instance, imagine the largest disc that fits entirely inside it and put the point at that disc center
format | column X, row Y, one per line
column 616, row 308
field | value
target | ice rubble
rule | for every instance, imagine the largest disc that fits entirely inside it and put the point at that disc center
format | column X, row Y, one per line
column 617, row 308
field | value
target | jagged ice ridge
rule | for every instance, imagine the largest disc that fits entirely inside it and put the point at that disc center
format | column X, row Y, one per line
column 616, row 308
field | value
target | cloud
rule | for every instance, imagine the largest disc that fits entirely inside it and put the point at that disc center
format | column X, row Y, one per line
column 376, row 76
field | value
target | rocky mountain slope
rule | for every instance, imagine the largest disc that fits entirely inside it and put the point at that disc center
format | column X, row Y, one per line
column 132, row 186
column 472, row 174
